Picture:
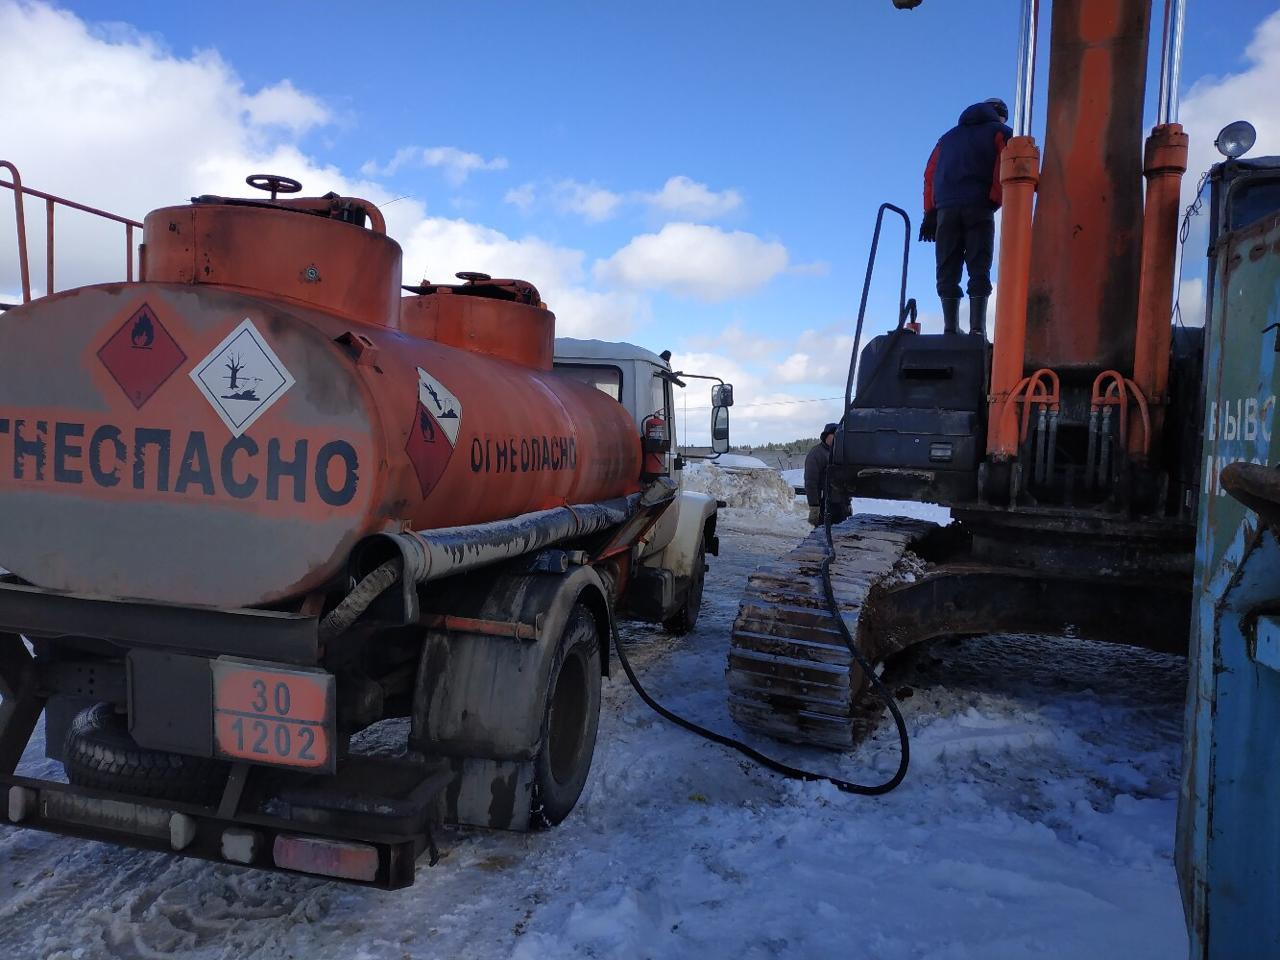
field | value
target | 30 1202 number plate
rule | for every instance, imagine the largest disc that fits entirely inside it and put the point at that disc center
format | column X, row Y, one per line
column 265, row 713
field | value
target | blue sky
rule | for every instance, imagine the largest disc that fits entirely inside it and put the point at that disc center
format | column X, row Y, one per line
column 790, row 122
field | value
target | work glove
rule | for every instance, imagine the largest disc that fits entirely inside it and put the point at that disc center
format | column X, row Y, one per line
column 929, row 227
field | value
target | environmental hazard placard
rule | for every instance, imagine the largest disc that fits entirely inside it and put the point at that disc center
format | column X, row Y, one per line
column 441, row 404
column 434, row 433
column 242, row 377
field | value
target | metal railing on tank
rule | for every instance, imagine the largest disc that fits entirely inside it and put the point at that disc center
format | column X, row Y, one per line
column 50, row 205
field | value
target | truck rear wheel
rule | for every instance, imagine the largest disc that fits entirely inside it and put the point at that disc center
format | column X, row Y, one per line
column 686, row 618
column 570, row 721
column 100, row 754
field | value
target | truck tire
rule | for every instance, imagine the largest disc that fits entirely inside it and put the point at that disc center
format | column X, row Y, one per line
column 100, row 754
column 686, row 618
column 569, row 722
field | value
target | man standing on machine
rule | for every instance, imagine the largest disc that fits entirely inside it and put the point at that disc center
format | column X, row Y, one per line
column 961, row 197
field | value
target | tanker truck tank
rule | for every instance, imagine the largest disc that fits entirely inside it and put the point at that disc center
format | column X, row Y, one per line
column 225, row 431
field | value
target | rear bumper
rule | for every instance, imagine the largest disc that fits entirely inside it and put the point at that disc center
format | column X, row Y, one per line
column 372, row 859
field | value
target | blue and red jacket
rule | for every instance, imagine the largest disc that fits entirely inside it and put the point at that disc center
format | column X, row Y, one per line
column 964, row 168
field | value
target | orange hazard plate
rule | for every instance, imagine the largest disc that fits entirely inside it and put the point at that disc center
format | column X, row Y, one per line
column 265, row 713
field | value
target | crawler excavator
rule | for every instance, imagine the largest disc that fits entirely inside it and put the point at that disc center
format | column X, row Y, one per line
column 1110, row 473
column 1068, row 449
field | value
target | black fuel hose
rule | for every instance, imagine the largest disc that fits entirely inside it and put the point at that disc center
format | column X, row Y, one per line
column 777, row 766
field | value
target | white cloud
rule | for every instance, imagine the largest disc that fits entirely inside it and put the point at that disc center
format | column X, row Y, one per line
column 456, row 164
column 285, row 106
column 818, row 268
column 785, row 389
column 736, row 342
column 695, row 260
column 1249, row 95
column 438, row 247
column 761, row 412
column 126, row 127
column 1210, row 104
column 593, row 203
column 73, row 125
column 522, row 197
column 682, row 197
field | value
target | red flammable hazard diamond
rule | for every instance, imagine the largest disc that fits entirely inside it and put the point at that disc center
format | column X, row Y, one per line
column 428, row 449
column 141, row 355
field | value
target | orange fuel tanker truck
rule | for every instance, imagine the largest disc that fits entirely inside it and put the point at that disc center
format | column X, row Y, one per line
column 257, row 501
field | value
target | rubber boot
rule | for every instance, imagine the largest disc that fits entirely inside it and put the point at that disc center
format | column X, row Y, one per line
column 951, row 314
column 978, row 316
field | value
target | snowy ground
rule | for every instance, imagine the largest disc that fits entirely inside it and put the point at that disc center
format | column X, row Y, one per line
column 1036, row 821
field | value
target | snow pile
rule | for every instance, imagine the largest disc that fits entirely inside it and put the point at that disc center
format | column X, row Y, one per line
column 733, row 461
column 760, row 489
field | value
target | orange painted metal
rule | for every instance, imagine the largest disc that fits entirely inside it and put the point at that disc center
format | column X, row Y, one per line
column 521, row 333
column 268, row 715
column 1019, row 173
column 1113, row 389
column 1043, row 388
column 1165, row 163
column 119, row 476
column 1083, row 297
column 286, row 253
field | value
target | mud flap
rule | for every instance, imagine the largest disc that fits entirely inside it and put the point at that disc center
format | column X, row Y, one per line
column 488, row 793
column 479, row 698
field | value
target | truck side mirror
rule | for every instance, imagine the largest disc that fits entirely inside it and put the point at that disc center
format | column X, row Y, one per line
column 722, row 396
column 720, row 430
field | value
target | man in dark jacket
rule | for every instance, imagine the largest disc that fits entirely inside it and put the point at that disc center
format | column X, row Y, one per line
column 815, row 475
column 961, row 195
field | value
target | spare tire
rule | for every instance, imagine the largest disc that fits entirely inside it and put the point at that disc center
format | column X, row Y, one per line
column 99, row 753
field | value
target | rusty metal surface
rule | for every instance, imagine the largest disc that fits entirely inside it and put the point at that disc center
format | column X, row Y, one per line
column 1228, row 848
column 281, row 253
column 1019, row 174
column 1088, row 223
column 1164, row 163
column 102, row 494
column 520, row 331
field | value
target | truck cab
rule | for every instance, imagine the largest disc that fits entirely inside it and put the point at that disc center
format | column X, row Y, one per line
column 671, row 565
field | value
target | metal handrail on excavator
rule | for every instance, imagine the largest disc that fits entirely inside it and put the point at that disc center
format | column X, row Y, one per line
column 51, row 202
column 866, row 290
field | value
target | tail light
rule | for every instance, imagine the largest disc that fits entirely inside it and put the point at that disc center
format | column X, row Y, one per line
column 327, row 858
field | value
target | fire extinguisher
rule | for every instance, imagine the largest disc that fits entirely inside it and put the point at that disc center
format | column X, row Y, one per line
column 656, row 442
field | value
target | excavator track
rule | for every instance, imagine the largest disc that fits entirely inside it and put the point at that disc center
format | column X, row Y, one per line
column 791, row 674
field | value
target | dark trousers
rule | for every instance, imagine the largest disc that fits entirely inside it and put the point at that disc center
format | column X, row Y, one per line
column 966, row 238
